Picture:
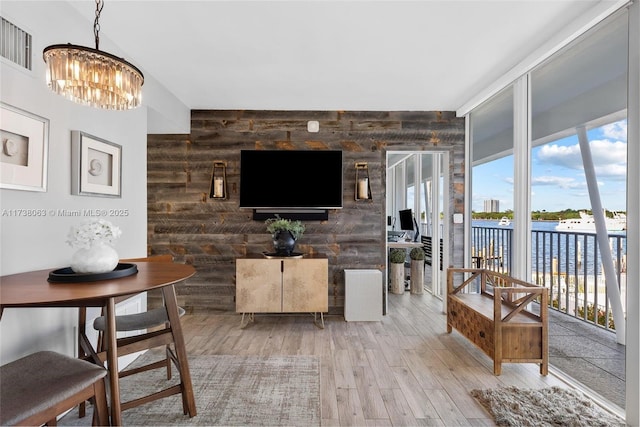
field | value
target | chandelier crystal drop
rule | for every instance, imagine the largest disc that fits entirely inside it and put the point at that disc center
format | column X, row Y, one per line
column 92, row 77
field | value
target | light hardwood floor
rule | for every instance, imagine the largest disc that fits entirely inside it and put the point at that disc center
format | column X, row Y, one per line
column 403, row 371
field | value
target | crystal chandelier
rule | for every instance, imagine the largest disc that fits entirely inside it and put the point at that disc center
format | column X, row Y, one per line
column 93, row 77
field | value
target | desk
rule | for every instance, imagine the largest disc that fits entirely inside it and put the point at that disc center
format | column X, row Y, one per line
column 32, row 289
column 404, row 244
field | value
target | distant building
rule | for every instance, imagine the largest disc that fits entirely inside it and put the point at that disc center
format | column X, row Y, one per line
column 492, row 205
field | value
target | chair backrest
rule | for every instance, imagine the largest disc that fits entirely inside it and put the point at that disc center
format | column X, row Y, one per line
column 426, row 247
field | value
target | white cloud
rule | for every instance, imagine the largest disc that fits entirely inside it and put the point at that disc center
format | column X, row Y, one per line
column 567, row 156
column 565, row 183
column 616, row 131
column 610, row 158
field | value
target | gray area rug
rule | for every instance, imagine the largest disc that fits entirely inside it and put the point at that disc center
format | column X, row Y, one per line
column 229, row 391
column 554, row 406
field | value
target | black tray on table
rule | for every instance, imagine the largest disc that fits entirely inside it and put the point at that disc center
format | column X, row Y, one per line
column 67, row 275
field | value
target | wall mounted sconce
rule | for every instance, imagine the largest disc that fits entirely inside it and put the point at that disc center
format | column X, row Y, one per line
column 218, row 188
column 363, row 184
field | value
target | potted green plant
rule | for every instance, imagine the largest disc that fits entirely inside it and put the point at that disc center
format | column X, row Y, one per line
column 285, row 233
column 397, row 257
column 417, row 270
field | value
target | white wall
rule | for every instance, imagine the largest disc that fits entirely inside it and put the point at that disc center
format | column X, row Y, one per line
column 33, row 243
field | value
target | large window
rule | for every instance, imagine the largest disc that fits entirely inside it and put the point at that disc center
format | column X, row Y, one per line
column 492, row 151
column 574, row 140
column 583, row 86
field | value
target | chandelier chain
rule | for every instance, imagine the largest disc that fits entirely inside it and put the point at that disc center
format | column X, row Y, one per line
column 96, row 24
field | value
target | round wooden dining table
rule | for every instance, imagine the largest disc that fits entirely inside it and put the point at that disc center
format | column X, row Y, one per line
column 33, row 289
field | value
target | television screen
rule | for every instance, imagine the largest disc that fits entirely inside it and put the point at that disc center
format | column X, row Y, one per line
column 293, row 179
column 406, row 220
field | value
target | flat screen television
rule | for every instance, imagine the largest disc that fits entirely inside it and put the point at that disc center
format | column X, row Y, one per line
column 291, row 179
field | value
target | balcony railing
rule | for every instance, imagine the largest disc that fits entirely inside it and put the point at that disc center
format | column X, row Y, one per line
column 569, row 264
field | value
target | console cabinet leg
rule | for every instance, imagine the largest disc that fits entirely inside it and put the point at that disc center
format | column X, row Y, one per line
column 315, row 320
column 250, row 319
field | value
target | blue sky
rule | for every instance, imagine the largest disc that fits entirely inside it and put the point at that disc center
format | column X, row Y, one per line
column 557, row 175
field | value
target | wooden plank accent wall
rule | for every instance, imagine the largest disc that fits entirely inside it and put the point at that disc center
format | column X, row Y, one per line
column 210, row 233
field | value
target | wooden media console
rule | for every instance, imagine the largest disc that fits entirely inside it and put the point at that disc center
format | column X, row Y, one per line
column 505, row 317
column 282, row 285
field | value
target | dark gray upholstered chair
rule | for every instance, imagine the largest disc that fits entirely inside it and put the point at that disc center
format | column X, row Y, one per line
column 156, row 323
column 37, row 388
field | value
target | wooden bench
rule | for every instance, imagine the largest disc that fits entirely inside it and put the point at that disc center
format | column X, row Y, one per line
column 505, row 317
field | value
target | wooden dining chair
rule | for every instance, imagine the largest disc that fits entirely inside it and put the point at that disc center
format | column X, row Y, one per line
column 39, row 387
column 146, row 320
column 158, row 333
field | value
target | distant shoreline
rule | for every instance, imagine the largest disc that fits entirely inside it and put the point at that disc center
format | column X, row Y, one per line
column 542, row 216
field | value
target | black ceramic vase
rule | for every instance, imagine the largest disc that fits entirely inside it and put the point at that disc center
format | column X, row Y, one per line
column 283, row 243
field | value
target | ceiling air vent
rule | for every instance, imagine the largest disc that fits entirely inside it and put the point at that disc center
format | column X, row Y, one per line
column 15, row 44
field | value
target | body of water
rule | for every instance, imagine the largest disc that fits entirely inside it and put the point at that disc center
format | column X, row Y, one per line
column 566, row 252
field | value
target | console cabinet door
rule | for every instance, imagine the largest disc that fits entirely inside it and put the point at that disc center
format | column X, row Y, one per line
column 305, row 286
column 258, row 286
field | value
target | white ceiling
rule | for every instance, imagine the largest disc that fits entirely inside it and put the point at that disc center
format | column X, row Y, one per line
column 327, row 55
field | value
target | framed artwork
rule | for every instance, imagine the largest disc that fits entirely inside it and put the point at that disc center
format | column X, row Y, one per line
column 25, row 149
column 96, row 166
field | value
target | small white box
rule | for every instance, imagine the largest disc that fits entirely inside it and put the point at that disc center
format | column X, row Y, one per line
column 362, row 295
